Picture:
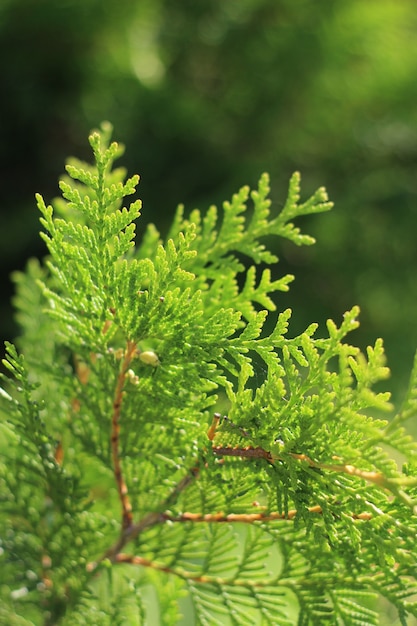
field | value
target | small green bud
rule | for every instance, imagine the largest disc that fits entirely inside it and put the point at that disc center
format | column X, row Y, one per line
column 150, row 358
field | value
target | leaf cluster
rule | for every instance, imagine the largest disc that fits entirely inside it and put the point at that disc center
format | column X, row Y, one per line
column 121, row 480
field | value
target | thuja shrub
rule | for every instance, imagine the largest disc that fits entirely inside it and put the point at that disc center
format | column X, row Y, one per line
column 164, row 451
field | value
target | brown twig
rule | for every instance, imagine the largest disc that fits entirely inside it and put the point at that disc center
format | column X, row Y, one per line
column 153, row 518
column 132, row 531
column 250, row 452
column 199, row 579
column 257, row 452
column 247, row 452
column 249, row 518
column 115, row 434
column 245, row 518
column 373, row 477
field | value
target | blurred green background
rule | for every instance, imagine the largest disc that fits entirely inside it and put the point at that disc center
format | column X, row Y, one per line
column 206, row 96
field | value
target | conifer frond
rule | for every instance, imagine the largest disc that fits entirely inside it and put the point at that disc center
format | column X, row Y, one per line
column 217, row 264
column 409, row 407
column 118, row 473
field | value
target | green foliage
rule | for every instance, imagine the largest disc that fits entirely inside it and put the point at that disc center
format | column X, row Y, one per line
column 125, row 495
column 214, row 92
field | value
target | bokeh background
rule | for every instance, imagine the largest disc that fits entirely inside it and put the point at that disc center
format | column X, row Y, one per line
column 206, row 96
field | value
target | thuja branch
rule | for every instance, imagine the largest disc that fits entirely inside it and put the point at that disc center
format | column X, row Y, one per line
column 161, row 516
column 250, row 518
column 250, row 452
column 360, row 522
column 391, row 484
column 377, row 478
column 189, row 576
column 115, row 434
column 133, row 530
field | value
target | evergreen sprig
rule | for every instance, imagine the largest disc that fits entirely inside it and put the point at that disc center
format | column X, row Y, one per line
column 122, row 474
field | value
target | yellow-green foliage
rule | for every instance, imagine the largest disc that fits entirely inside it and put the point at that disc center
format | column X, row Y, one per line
column 123, row 489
